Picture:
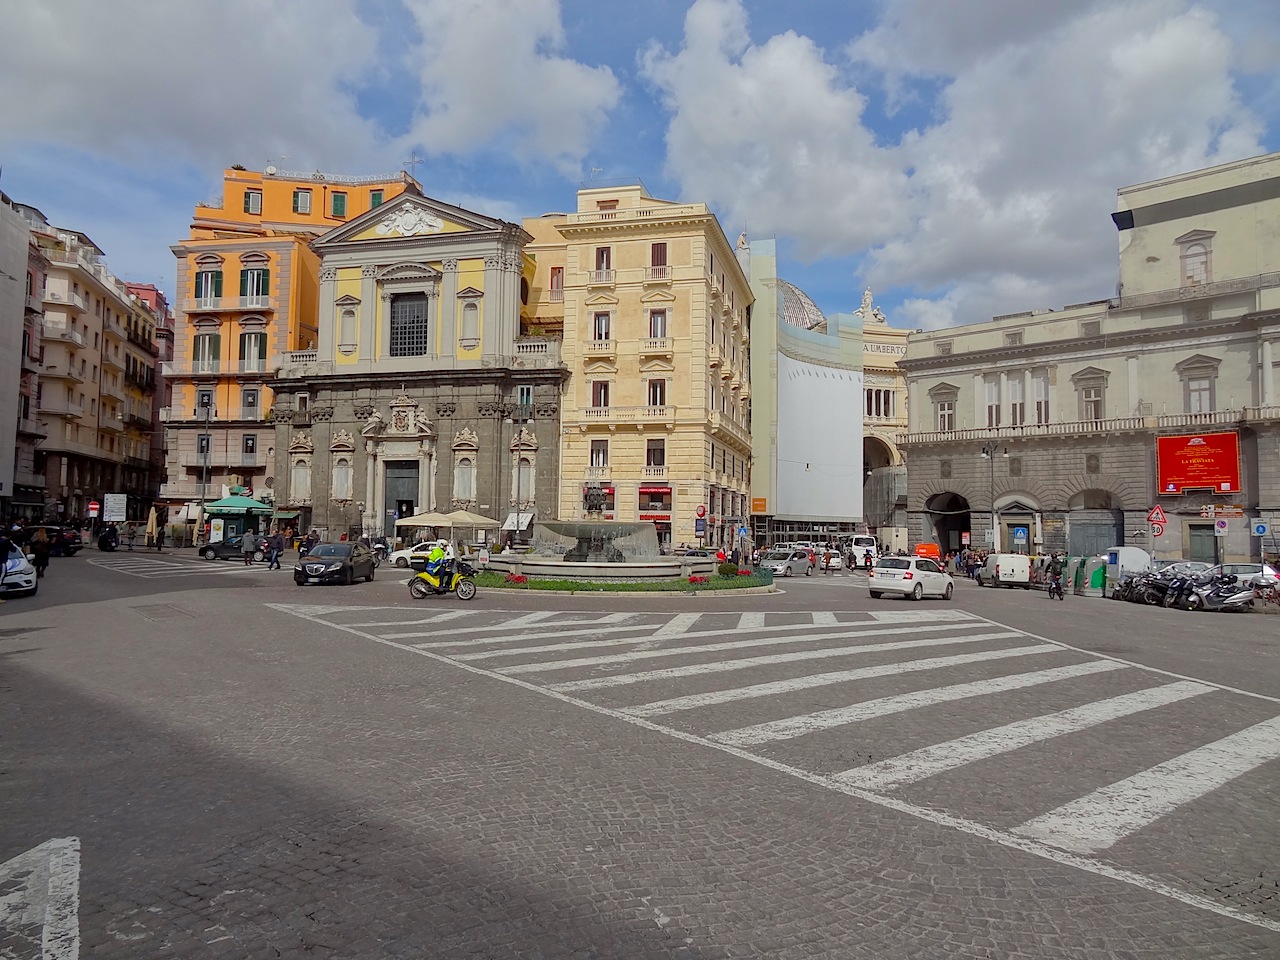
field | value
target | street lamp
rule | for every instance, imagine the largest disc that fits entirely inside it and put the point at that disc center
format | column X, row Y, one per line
column 989, row 451
column 204, row 402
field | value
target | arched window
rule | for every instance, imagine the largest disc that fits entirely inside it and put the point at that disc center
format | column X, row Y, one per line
column 301, row 479
column 342, row 479
column 524, row 481
column 464, row 479
column 470, row 325
column 347, row 331
column 1195, row 263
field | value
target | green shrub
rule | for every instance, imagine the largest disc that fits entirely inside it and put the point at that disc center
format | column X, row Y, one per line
column 728, row 569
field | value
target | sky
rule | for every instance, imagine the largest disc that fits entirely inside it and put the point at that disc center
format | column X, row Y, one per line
column 959, row 158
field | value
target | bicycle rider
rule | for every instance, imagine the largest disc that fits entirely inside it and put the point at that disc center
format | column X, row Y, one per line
column 1054, row 571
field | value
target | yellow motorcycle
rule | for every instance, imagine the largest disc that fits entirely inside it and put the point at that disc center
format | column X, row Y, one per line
column 456, row 576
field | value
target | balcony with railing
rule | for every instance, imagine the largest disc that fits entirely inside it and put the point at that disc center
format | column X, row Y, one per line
column 657, row 346
column 715, row 356
column 1271, row 412
column 665, row 211
column 57, row 407
column 32, row 428
column 110, row 358
column 723, row 423
column 255, row 365
column 657, row 274
column 655, row 471
column 109, row 389
column 61, row 371
column 63, row 334
column 74, row 302
column 599, row 348
column 555, row 295
column 193, row 368
column 539, row 348
column 299, row 357
column 598, row 473
column 1112, row 425
column 601, row 278
column 629, row 414
column 223, row 458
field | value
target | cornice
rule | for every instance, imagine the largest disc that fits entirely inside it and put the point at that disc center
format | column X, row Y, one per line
column 426, row 379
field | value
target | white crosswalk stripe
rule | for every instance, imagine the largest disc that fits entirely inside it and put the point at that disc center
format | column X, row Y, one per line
column 589, row 659
column 159, row 568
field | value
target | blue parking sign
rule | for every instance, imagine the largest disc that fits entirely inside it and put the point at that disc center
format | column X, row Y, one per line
column 1019, row 534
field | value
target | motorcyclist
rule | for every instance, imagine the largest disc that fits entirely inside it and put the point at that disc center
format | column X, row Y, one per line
column 438, row 558
column 1054, row 571
column 866, row 560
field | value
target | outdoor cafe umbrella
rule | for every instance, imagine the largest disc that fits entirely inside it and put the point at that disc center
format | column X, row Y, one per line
column 431, row 519
column 152, row 526
column 465, row 518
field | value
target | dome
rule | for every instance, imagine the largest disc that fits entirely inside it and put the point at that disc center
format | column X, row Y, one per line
column 797, row 309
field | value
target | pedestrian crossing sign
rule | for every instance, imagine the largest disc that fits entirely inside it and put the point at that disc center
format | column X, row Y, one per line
column 1157, row 515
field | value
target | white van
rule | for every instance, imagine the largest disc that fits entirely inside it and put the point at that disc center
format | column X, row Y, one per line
column 1006, row 570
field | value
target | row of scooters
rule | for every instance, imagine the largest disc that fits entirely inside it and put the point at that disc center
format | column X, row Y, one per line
column 1186, row 591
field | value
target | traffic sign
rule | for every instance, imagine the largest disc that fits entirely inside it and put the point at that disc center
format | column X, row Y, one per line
column 1220, row 527
column 94, row 507
column 1261, row 528
column 1157, row 529
column 1156, row 515
column 701, row 511
column 1019, row 534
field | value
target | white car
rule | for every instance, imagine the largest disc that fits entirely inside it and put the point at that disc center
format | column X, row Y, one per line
column 19, row 574
column 1246, row 573
column 835, row 563
column 786, row 563
column 913, row 577
column 401, row 558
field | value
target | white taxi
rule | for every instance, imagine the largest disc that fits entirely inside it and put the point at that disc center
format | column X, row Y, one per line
column 914, row 577
column 404, row 558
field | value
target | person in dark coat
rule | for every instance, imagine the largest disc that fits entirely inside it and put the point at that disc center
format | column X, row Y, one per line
column 40, row 548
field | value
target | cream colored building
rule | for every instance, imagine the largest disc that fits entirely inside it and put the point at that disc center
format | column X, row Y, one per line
column 655, row 314
column 1064, row 429
column 884, row 420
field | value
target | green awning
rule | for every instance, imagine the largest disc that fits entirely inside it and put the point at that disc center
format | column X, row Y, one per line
column 237, row 505
column 285, row 515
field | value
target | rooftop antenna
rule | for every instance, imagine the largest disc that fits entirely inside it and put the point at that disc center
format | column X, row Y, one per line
column 594, row 171
column 412, row 163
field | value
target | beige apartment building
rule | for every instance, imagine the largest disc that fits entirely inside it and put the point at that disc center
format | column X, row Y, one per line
column 654, row 311
column 96, row 375
column 1064, row 429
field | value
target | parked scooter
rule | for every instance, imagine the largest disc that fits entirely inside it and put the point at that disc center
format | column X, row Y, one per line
column 1221, row 594
column 455, row 576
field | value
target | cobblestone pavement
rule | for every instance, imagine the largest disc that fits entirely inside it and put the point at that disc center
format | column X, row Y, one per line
column 251, row 775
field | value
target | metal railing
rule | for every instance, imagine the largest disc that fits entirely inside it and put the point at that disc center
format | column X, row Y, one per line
column 256, row 365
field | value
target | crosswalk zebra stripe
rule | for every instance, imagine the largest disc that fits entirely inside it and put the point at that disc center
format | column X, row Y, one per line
column 745, row 663
column 1102, row 818
column 748, row 620
column 677, row 625
column 695, row 700
column 941, row 757
column 870, row 630
column 798, row 726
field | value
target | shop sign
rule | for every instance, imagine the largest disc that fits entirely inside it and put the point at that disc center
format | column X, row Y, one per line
column 655, row 516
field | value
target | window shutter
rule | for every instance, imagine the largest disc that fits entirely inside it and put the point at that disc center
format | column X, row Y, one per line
column 248, row 197
column 244, row 282
column 265, row 289
column 262, row 346
column 217, row 283
column 215, row 346
column 295, row 201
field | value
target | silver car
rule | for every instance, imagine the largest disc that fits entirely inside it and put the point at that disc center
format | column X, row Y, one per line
column 786, row 563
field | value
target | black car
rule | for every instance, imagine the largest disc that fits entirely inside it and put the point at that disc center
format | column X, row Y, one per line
column 66, row 541
column 229, row 549
column 335, row 563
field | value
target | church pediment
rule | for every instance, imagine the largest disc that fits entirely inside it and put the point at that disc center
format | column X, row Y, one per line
column 410, row 216
column 408, row 271
column 347, row 301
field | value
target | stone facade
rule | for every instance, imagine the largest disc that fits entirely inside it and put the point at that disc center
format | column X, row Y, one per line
column 1046, row 424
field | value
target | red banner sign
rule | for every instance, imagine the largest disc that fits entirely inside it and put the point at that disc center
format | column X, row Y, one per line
column 1204, row 461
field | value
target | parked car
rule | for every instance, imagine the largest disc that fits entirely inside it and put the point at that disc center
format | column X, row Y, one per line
column 786, row 563
column 835, row 563
column 1246, row 573
column 229, row 549
column 1006, row 570
column 914, row 577
column 404, row 558
column 335, row 563
column 19, row 575
column 66, row 541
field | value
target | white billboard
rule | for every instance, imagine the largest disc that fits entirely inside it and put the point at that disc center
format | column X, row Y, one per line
column 819, row 442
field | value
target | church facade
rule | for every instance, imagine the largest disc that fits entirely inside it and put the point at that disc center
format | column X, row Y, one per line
column 420, row 393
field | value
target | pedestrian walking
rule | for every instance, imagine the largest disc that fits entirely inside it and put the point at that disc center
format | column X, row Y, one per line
column 131, row 535
column 248, row 546
column 275, row 547
column 40, row 547
column 159, row 538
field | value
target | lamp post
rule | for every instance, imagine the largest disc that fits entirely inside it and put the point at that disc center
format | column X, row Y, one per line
column 205, row 403
column 989, row 451
column 518, row 424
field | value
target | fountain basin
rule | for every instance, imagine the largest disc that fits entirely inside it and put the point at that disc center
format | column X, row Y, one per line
column 552, row 568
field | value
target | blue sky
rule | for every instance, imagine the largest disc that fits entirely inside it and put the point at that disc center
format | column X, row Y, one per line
column 960, row 158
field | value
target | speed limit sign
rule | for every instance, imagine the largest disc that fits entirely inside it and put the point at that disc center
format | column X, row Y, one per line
column 1157, row 529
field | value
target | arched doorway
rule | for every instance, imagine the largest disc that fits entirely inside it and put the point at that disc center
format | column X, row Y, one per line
column 946, row 521
column 1095, row 523
column 883, row 485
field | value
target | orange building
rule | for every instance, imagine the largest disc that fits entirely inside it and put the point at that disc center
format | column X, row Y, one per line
column 247, row 292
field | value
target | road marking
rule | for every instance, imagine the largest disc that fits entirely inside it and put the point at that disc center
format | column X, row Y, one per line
column 912, row 616
column 696, row 700
column 941, row 757
column 745, row 663
column 798, row 726
column 677, row 625
column 42, row 887
column 824, row 619
column 1104, row 817
column 749, row 620
column 924, row 814
column 769, row 641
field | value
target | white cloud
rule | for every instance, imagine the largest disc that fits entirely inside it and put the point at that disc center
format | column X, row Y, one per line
column 770, row 135
column 490, row 77
column 209, row 83
column 1000, row 201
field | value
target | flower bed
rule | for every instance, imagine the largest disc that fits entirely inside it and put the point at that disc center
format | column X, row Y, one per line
column 760, row 578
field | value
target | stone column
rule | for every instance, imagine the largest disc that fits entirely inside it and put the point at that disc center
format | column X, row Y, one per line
column 368, row 316
column 1131, row 375
column 491, row 320
column 979, row 401
column 328, row 316
column 370, row 490
column 1268, row 374
column 424, row 477
column 1006, row 408
column 379, row 490
column 447, row 309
